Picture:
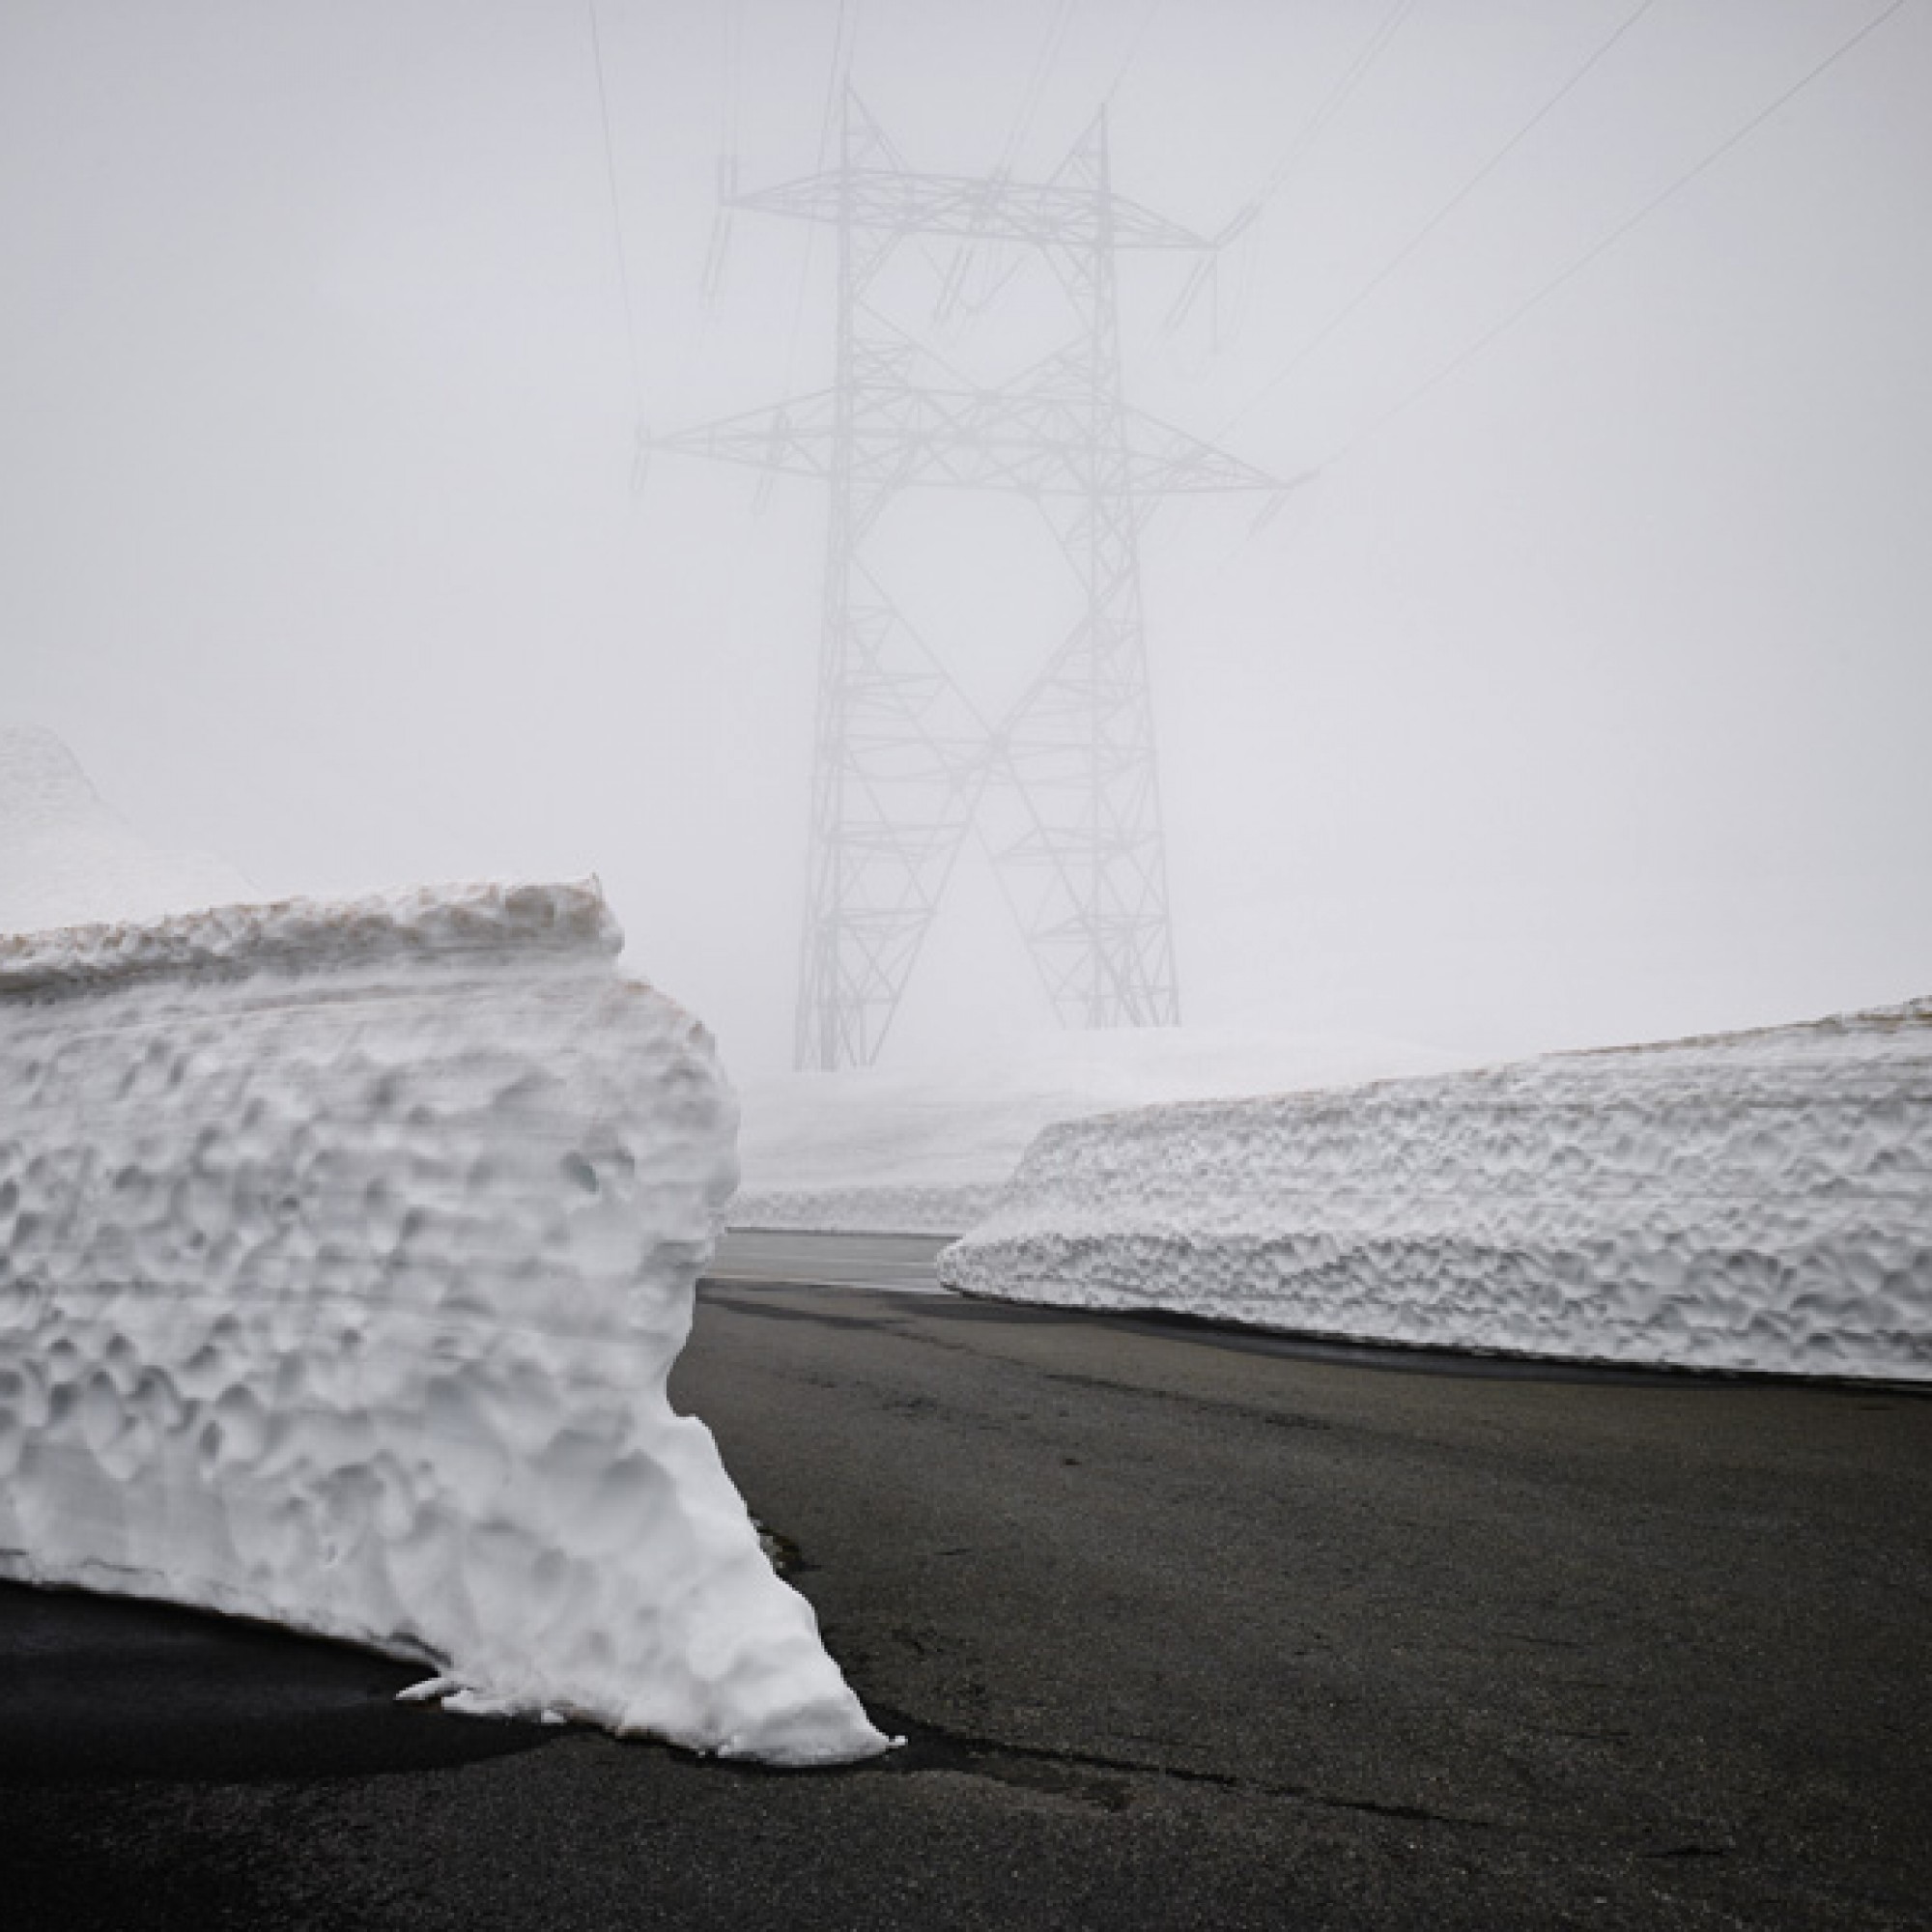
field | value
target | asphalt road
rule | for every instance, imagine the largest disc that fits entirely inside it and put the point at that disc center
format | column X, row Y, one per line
column 1184, row 1631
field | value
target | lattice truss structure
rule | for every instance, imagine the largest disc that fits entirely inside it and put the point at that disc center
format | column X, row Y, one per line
column 1064, row 786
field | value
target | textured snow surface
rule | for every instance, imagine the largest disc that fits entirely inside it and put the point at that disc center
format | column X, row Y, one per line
column 924, row 1148
column 1757, row 1201
column 65, row 858
column 855, row 1209
column 344, row 1252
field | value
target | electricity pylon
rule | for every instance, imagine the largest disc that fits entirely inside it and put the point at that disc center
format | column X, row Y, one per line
column 902, row 763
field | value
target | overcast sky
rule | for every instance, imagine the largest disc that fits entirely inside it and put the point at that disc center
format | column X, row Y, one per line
column 1579, row 697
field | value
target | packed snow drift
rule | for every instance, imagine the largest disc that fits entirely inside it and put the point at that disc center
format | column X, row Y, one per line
column 344, row 1252
column 924, row 1148
column 1750, row 1202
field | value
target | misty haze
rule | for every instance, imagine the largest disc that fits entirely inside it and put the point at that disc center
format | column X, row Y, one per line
column 1165, row 760
column 1570, row 704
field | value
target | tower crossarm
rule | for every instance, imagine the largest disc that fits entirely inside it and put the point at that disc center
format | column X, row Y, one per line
column 975, row 439
column 1159, row 460
column 992, row 209
column 794, row 437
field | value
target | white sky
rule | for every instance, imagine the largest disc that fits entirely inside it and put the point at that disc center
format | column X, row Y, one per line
column 1582, row 699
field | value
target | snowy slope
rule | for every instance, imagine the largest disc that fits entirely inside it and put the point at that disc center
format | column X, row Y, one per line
column 66, row 859
column 1757, row 1201
column 344, row 1252
column 925, row 1148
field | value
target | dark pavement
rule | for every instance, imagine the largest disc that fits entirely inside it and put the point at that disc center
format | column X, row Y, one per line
column 1187, row 1631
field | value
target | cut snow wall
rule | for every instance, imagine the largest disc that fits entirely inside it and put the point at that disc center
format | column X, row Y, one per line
column 1753, row 1202
column 344, row 1252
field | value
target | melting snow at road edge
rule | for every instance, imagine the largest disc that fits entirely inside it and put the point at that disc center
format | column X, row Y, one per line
column 344, row 1252
column 1750, row 1202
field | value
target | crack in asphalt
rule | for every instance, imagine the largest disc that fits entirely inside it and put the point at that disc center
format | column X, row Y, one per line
column 940, row 1747
column 936, row 1745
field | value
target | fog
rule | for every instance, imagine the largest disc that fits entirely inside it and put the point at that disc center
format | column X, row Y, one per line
column 1577, row 695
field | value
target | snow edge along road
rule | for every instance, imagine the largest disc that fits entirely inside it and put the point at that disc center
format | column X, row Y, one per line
column 1749, row 1203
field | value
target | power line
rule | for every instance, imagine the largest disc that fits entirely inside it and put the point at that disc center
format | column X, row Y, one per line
column 1337, row 98
column 1616, row 235
column 966, row 258
column 617, row 222
column 969, row 258
column 1132, row 55
column 727, row 156
column 835, row 79
column 1441, row 214
column 844, row 37
column 1333, row 103
column 1036, row 87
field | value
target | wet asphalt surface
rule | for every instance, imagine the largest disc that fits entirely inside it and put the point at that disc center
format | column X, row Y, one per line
column 1183, row 1631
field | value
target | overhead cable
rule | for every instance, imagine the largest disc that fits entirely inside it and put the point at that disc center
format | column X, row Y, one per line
column 1133, row 52
column 728, row 155
column 837, row 108
column 1029, row 99
column 1336, row 97
column 1441, row 214
column 617, row 220
column 966, row 257
column 1691, row 173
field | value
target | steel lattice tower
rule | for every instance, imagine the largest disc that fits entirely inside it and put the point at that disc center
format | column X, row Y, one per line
column 903, row 764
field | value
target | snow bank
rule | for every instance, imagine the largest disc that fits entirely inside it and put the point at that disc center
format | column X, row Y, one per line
column 66, row 857
column 1757, row 1201
column 344, row 1252
column 924, row 1148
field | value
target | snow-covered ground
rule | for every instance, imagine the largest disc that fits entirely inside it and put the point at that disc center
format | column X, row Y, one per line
column 345, row 1249
column 66, row 860
column 924, row 1148
column 1753, row 1202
